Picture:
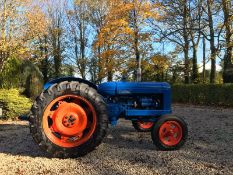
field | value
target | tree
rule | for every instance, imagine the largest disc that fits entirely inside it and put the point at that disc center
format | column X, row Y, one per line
column 228, row 20
column 174, row 27
column 19, row 29
column 44, row 55
column 54, row 42
column 213, row 33
column 56, row 34
column 196, row 26
column 98, row 10
column 78, row 18
column 156, row 68
column 125, row 35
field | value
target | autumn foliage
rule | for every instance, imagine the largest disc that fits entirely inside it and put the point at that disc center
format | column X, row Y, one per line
column 125, row 39
column 104, row 40
column 21, row 23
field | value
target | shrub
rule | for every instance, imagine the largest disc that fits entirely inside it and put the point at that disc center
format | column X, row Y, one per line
column 22, row 73
column 219, row 94
column 13, row 103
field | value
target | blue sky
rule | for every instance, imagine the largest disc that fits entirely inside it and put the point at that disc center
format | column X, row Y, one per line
column 168, row 47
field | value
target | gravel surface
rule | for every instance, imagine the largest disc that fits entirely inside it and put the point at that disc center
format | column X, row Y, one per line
column 208, row 150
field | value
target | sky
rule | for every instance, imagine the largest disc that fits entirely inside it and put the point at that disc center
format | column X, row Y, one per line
column 168, row 47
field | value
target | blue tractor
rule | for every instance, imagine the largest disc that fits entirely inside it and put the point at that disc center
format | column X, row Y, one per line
column 71, row 116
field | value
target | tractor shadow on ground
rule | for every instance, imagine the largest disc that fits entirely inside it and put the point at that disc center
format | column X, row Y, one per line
column 127, row 137
column 15, row 139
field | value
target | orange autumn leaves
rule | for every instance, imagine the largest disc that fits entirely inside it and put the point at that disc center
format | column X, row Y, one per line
column 21, row 23
column 125, row 36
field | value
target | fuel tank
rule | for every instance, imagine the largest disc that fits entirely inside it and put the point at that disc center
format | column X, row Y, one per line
column 131, row 88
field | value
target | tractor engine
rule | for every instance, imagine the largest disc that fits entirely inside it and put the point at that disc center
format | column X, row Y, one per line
column 136, row 101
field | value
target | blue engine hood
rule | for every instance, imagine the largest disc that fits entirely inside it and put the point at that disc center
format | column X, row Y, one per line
column 129, row 88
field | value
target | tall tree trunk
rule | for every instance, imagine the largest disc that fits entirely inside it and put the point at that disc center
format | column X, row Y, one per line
column 57, row 59
column 138, row 58
column 186, row 66
column 195, row 68
column 195, row 37
column 228, row 66
column 82, row 50
column 100, row 68
column 45, row 62
column 186, row 41
column 57, row 48
column 212, row 42
column 204, row 60
column 138, row 71
column 109, row 66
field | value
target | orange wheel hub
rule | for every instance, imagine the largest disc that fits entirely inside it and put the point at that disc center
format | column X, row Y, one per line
column 145, row 125
column 170, row 133
column 69, row 121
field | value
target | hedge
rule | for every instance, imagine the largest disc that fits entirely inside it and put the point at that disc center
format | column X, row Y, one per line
column 220, row 94
column 13, row 103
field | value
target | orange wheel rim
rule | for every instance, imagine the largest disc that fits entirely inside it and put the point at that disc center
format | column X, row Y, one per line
column 170, row 133
column 69, row 121
column 145, row 125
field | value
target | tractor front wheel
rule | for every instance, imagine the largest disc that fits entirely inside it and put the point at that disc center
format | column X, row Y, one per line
column 169, row 133
column 69, row 119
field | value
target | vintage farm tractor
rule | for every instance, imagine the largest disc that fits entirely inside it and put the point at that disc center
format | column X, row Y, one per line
column 71, row 116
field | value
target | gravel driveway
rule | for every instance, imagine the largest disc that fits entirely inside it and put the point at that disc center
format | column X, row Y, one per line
column 208, row 150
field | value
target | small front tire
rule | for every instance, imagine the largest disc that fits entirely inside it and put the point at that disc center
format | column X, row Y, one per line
column 169, row 133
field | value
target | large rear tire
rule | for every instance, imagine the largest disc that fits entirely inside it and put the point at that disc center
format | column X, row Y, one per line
column 68, row 120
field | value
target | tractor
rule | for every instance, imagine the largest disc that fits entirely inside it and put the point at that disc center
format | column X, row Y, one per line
column 70, row 117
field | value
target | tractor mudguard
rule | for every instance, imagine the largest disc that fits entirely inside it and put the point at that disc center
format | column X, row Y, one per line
column 136, row 101
column 69, row 79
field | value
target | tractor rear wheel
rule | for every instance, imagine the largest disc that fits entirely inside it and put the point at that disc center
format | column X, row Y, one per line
column 142, row 126
column 68, row 120
column 169, row 133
